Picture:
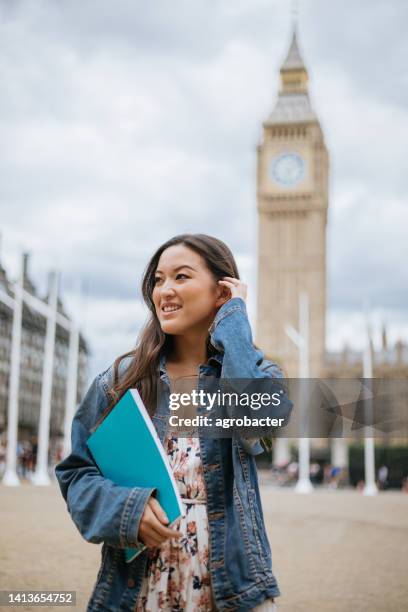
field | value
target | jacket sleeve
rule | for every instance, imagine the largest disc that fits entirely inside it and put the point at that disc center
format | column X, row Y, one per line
column 101, row 510
column 231, row 334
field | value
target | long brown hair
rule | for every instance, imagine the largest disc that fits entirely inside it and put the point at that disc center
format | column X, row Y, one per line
column 142, row 372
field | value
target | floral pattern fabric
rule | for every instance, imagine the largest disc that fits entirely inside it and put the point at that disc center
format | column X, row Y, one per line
column 177, row 573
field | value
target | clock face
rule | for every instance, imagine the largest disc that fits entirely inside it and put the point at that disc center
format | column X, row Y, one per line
column 287, row 169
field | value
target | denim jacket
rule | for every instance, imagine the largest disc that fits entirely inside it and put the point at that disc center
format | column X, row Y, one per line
column 240, row 555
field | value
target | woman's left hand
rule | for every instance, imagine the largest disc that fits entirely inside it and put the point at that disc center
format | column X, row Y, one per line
column 236, row 287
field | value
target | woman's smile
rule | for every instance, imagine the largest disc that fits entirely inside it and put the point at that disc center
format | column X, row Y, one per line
column 170, row 308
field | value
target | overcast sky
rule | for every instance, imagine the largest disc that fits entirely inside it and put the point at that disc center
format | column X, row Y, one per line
column 123, row 124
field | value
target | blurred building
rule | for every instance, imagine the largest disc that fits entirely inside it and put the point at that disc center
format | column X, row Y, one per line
column 389, row 363
column 32, row 357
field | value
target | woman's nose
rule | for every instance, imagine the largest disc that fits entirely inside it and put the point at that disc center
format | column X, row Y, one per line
column 167, row 288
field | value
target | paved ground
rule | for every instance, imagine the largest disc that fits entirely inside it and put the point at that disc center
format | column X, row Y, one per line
column 333, row 551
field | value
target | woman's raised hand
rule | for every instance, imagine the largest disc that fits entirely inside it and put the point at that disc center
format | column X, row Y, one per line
column 236, row 287
column 152, row 530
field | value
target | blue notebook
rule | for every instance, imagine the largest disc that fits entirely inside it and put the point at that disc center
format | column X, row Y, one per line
column 128, row 451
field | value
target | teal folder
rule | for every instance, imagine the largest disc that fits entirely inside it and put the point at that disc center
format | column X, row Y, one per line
column 128, row 451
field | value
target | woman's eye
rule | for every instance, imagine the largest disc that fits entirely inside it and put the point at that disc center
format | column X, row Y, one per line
column 159, row 279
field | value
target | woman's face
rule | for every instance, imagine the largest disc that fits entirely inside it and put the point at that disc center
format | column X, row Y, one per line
column 186, row 295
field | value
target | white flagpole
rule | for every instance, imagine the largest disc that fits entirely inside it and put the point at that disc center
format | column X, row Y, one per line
column 41, row 476
column 281, row 454
column 370, row 487
column 301, row 339
column 72, row 378
column 10, row 477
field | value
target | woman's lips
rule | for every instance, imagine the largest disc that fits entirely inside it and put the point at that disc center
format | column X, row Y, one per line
column 169, row 313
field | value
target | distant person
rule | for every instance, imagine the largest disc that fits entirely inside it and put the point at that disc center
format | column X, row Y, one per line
column 20, row 453
column 35, row 450
column 292, row 471
column 327, row 470
column 3, row 452
column 315, row 471
column 383, row 477
column 25, row 458
column 218, row 556
column 335, row 476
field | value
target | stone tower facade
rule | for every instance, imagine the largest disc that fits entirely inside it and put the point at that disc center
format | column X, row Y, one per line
column 292, row 198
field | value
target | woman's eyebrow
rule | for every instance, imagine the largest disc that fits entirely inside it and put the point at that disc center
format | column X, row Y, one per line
column 178, row 268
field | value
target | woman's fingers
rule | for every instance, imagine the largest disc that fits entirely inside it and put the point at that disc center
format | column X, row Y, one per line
column 147, row 534
column 150, row 538
column 158, row 510
column 157, row 538
column 231, row 279
column 164, row 532
column 236, row 287
column 162, row 517
column 151, row 531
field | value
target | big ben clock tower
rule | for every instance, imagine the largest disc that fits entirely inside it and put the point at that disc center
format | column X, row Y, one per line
column 292, row 196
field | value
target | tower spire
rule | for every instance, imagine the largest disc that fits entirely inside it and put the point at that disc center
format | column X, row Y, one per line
column 293, row 72
column 294, row 10
column 293, row 59
column 293, row 103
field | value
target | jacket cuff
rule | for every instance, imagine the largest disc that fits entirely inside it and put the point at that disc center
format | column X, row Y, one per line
column 251, row 446
column 226, row 309
column 132, row 514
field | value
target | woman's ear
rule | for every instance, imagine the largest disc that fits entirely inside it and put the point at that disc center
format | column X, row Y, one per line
column 224, row 294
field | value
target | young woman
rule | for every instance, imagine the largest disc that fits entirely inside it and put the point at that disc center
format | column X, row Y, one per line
column 217, row 557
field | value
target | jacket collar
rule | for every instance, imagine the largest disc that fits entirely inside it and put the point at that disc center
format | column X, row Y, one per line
column 215, row 359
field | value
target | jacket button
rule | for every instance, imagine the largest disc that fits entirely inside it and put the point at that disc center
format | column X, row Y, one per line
column 131, row 583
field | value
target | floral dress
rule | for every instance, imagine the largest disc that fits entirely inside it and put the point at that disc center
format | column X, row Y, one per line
column 177, row 573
